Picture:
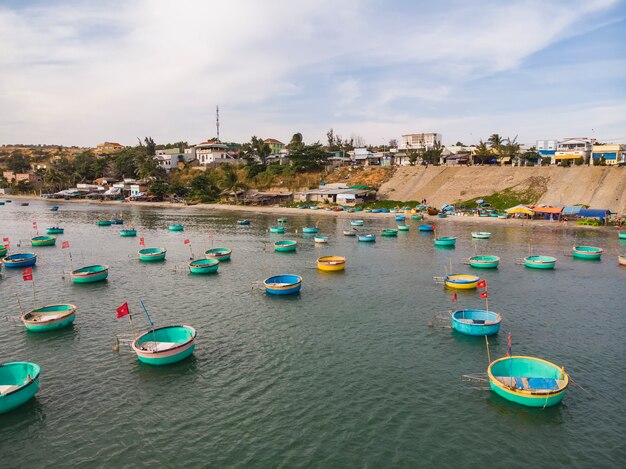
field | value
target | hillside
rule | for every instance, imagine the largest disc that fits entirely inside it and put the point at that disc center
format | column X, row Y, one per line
column 598, row 187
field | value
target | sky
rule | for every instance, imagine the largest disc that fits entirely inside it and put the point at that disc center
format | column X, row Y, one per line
column 82, row 72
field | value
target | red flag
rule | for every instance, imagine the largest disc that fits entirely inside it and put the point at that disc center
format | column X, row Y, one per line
column 122, row 310
column 142, row 242
column 454, row 298
column 6, row 240
column 187, row 241
column 27, row 278
column 484, row 294
column 482, row 284
column 65, row 244
column 27, row 274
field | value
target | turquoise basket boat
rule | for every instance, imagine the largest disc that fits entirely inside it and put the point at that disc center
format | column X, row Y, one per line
column 221, row 254
column 243, row 222
column 367, row 238
column 587, row 252
column 445, row 241
column 404, row 227
column 277, row 229
column 204, row 266
column 19, row 261
column 38, row 241
column 622, row 235
column 165, row 345
column 388, row 233
column 484, row 262
column 400, row 218
column 152, row 254
column 55, row 230
column 481, row 234
column 176, row 228
column 357, row 222
column 528, row 381
column 417, row 217
column 476, row 322
column 285, row 246
column 19, row 382
column 540, row 262
column 104, row 223
column 3, row 250
column 283, row 284
column 128, row 233
column 309, row 229
column 54, row 208
column 427, row 228
column 49, row 318
column 90, row 274
column 320, row 239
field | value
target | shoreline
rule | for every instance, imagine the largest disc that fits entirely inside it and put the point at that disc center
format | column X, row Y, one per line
column 521, row 223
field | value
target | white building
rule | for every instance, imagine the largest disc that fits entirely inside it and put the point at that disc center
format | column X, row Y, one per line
column 169, row 159
column 211, row 153
column 574, row 148
column 423, row 141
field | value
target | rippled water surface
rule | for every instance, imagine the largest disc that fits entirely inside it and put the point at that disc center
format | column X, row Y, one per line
column 347, row 374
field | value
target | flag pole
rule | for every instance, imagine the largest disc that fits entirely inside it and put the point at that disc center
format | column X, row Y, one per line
column 488, row 354
column 19, row 303
column 149, row 321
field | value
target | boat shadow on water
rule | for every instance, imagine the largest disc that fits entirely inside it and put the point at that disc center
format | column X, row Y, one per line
column 31, row 411
column 525, row 416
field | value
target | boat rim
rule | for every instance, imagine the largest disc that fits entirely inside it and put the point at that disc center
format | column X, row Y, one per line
column 69, row 312
column 86, row 273
column 500, row 384
column 191, row 339
column 32, row 379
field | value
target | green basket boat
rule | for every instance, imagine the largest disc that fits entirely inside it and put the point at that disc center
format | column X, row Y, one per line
column 221, row 254
column 3, row 250
column 49, row 318
column 404, row 227
column 389, row 233
column 204, row 266
column 277, row 229
column 285, row 245
column 104, row 223
column 540, row 262
column 484, row 262
column 417, row 217
column 152, row 254
column 176, row 228
column 55, row 230
column 165, row 345
column 90, row 274
column 587, row 252
column 128, row 233
column 44, row 240
column 19, row 382
column 445, row 241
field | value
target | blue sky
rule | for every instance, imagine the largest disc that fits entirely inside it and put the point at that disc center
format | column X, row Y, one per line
column 80, row 72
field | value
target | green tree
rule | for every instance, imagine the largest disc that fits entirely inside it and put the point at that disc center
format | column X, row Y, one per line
column 296, row 142
column 413, row 155
column 483, row 153
column 18, row 162
column 308, row 158
column 433, row 154
column 203, row 186
column 510, row 148
column 150, row 146
column 159, row 189
column 495, row 141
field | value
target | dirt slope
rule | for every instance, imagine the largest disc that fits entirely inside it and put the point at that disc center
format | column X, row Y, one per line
column 598, row 187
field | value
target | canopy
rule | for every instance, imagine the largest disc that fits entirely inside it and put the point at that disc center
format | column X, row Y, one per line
column 568, row 156
column 594, row 213
column 548, row 209
column 519, row 209
column 573, row 210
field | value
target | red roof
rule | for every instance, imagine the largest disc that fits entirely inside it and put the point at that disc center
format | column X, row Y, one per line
column 272, row 140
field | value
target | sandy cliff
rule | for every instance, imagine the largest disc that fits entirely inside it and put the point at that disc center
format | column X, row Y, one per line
column 598, row 187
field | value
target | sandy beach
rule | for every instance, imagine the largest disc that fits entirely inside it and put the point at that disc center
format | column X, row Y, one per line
column 544, row 225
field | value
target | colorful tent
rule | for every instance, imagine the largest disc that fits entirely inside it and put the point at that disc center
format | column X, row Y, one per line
column 519, row 209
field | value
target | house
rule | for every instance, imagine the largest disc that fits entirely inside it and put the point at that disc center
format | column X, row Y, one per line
column 573, row 149
column 212, row 153
column 547, row 148
column 267, row 198
column 420, row 141
column 107, row 148
column 275, row 145
column 169, row 159
column 364, row 157
column 455, row 155
column 610, row 154
column 331, row 195
column 26, row 178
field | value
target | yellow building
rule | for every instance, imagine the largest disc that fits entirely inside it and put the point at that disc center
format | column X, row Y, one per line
column 274, row 145
column 612, row 153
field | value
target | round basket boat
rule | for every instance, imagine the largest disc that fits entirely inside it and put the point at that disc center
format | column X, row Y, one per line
column 357, row 222
column 243, row 222
column 104, row 223
column 19, row 382
column 281, row 221
column 221, row 254
column 54, row 208
column 309, row 229
column 587, row 252
column 152, row 254
column 285, row 246
column 481, row 234
column 461, row 281
column 400, row 217
column 131, row 233
column 204, row 266
column 417, row 217
column 49, row 318
column 277, row 229
column 43, row 241
column 165, row 345
column 19, row 261
column 176, row 228
column 404, row 227
column 476, row 322
column 540, row 262
column 528, row 381
column 442, row 215
column 445, row 241
column 320, row 239
column 331, row 263
column 367, row 238
column 427, row 227
column 622, row 235
column 3, row 250
column 621, row 260
column 55, row 230
column 484, row 262
column 388, row 233
column 283, row 284
column 90, row 274
column 349, row 232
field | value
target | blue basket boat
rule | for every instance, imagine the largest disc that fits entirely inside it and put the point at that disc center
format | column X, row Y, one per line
column 165, row 345
column 176, row 228
column 528, row 381
column 204, row 266
column 427, row 227
column 309, row 229
column 476, row 322
column 152, row 254
column 400, row 217
column 19, row 382
column 587, row 252
column 19, row 261
column 283, row 284
column 367, row 238
column 49, row 318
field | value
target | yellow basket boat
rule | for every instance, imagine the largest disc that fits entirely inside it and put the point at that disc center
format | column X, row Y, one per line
column 331, row 263
column 461, row 281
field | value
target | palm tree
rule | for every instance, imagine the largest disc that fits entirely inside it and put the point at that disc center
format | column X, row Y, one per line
column 483, row 152
column 495, row 142
column 511, row 148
